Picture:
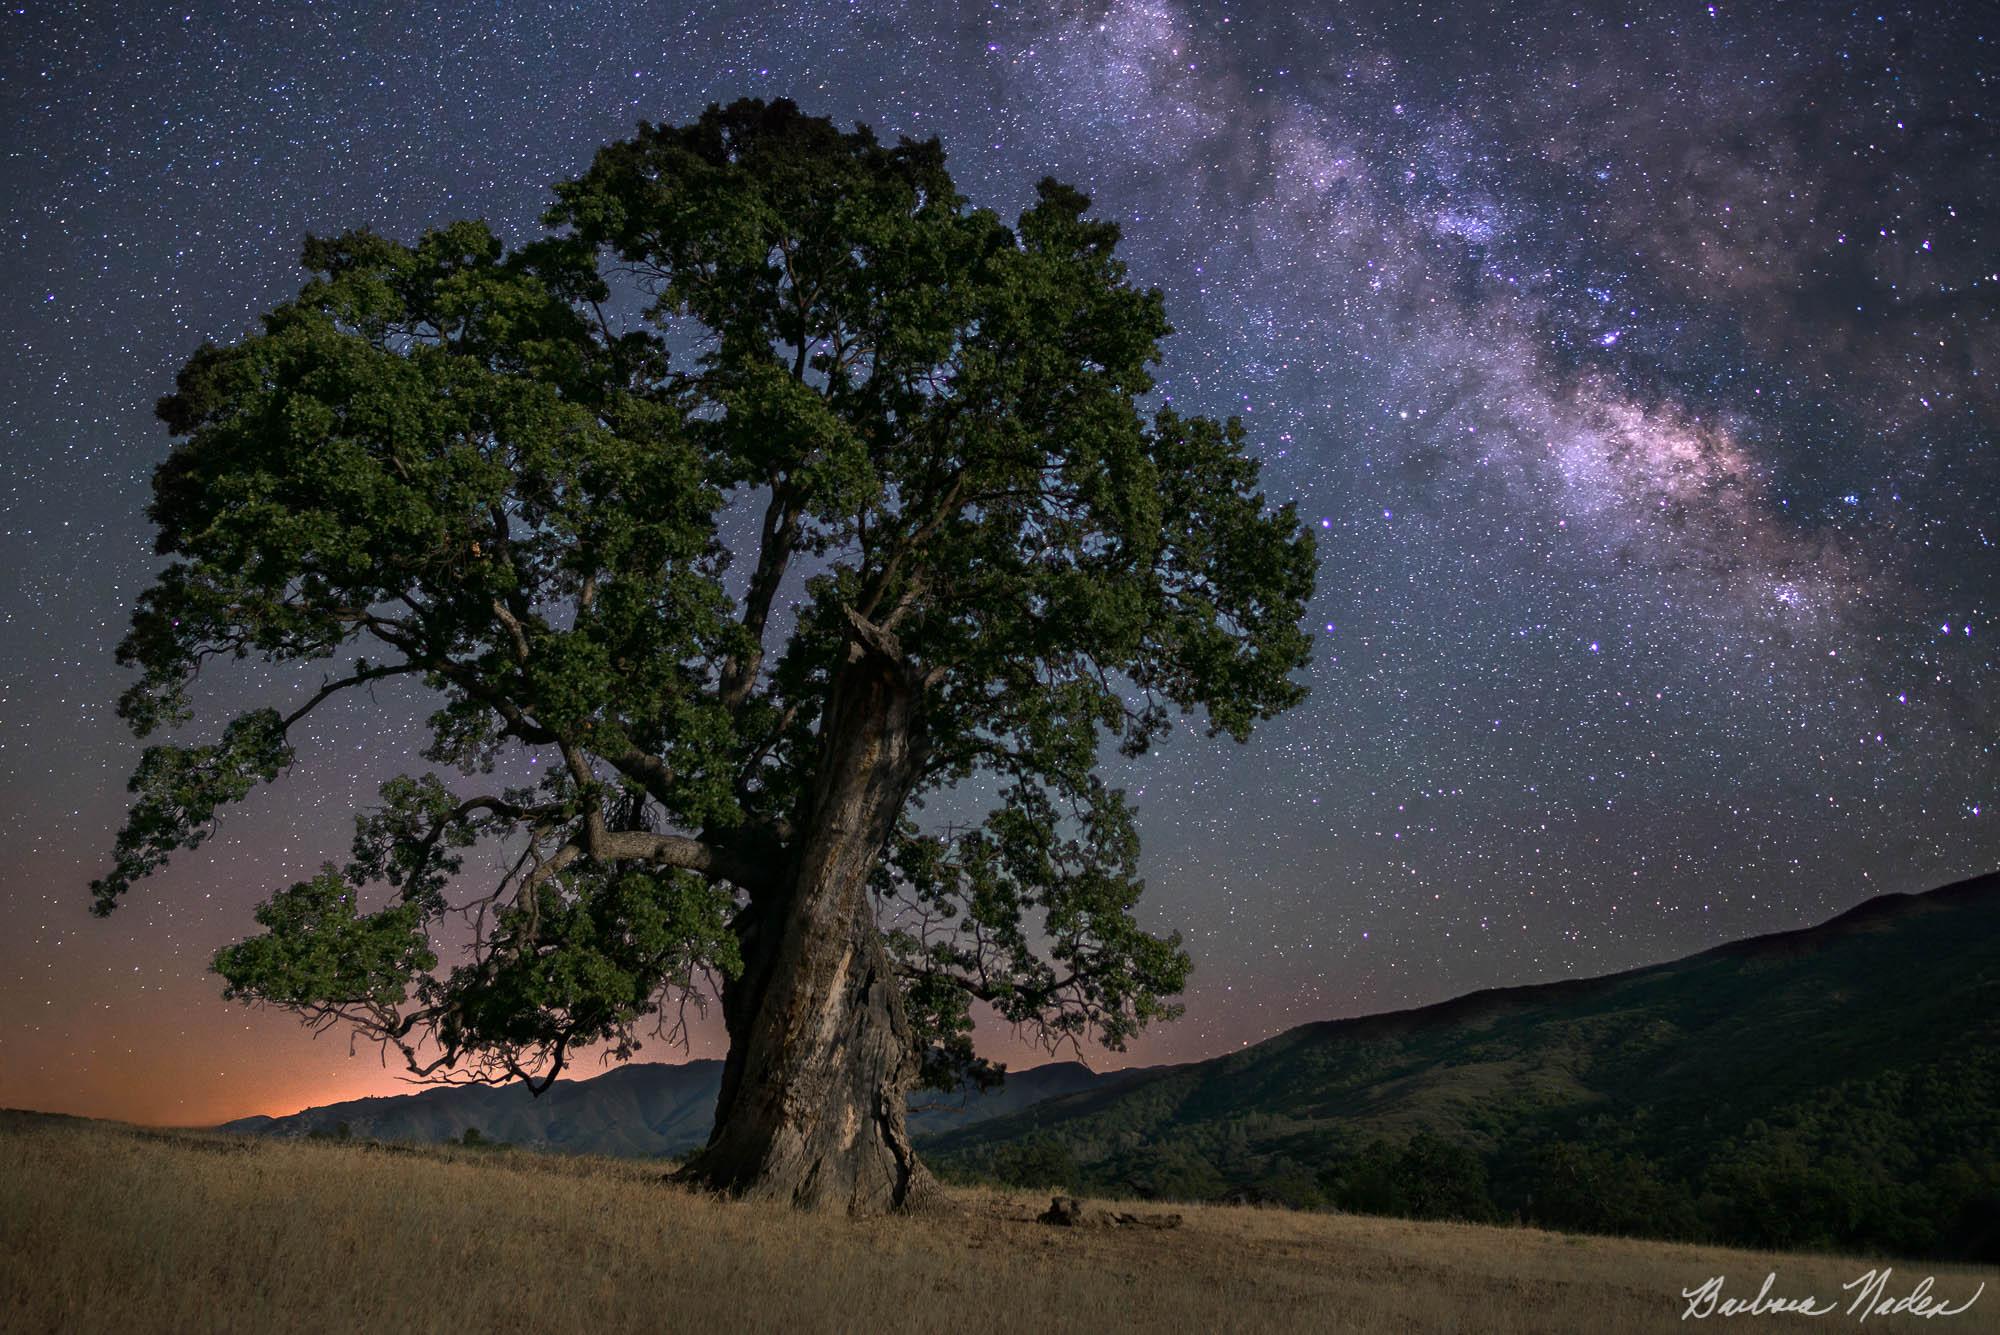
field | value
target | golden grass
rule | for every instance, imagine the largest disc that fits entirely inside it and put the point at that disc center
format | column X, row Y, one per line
column 106, row 1228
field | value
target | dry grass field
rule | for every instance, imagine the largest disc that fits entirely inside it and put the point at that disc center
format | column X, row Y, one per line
column 106, row 1228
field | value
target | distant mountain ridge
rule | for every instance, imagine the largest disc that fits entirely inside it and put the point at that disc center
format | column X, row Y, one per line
column 640, row 1109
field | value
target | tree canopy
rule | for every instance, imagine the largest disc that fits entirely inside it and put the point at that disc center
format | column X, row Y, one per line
column 767, row 397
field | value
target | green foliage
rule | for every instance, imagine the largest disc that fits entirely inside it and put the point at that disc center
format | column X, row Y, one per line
column 1586, row 1188
column 446, row 460
column 1906, row 1162
column 1040, row 1163
column 1426, row 1177
column 603, row 946
column 319, row 951
column 180, row 789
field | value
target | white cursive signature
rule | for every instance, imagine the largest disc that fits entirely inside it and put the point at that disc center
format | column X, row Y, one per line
column 1871, row 1298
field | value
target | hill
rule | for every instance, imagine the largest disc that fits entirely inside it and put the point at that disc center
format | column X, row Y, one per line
column 107, row 1228
column 643, row 1109
column 1832, row 1087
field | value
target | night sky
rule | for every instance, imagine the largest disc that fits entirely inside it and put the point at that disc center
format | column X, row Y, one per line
column 1638, row 366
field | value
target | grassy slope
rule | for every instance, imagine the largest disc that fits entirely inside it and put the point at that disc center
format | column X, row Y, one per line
column 1673, row 1062
column 110, row 1228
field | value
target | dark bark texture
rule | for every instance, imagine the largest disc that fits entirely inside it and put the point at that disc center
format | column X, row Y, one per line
column 820, row 1053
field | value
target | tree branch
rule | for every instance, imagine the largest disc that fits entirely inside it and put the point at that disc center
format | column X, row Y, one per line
column 945, row 509
column 773, row 555
column 330, row 688
column 676, row 850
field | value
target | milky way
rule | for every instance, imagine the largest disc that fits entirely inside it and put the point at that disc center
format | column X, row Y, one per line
column 1636, row 365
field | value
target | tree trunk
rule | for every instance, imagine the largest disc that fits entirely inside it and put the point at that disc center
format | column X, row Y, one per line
column 820, row 1056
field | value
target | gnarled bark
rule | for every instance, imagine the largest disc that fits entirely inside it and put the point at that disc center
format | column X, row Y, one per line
column 820, row 1053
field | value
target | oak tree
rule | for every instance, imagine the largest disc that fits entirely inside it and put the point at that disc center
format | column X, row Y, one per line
column 771, row 490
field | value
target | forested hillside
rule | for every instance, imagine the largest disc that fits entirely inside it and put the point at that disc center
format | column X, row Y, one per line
column 1838, row 1086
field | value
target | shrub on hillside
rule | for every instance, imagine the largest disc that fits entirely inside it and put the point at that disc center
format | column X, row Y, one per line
column 1426, row 1177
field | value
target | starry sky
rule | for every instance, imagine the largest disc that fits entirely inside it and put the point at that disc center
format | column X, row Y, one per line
column 1636, row 363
